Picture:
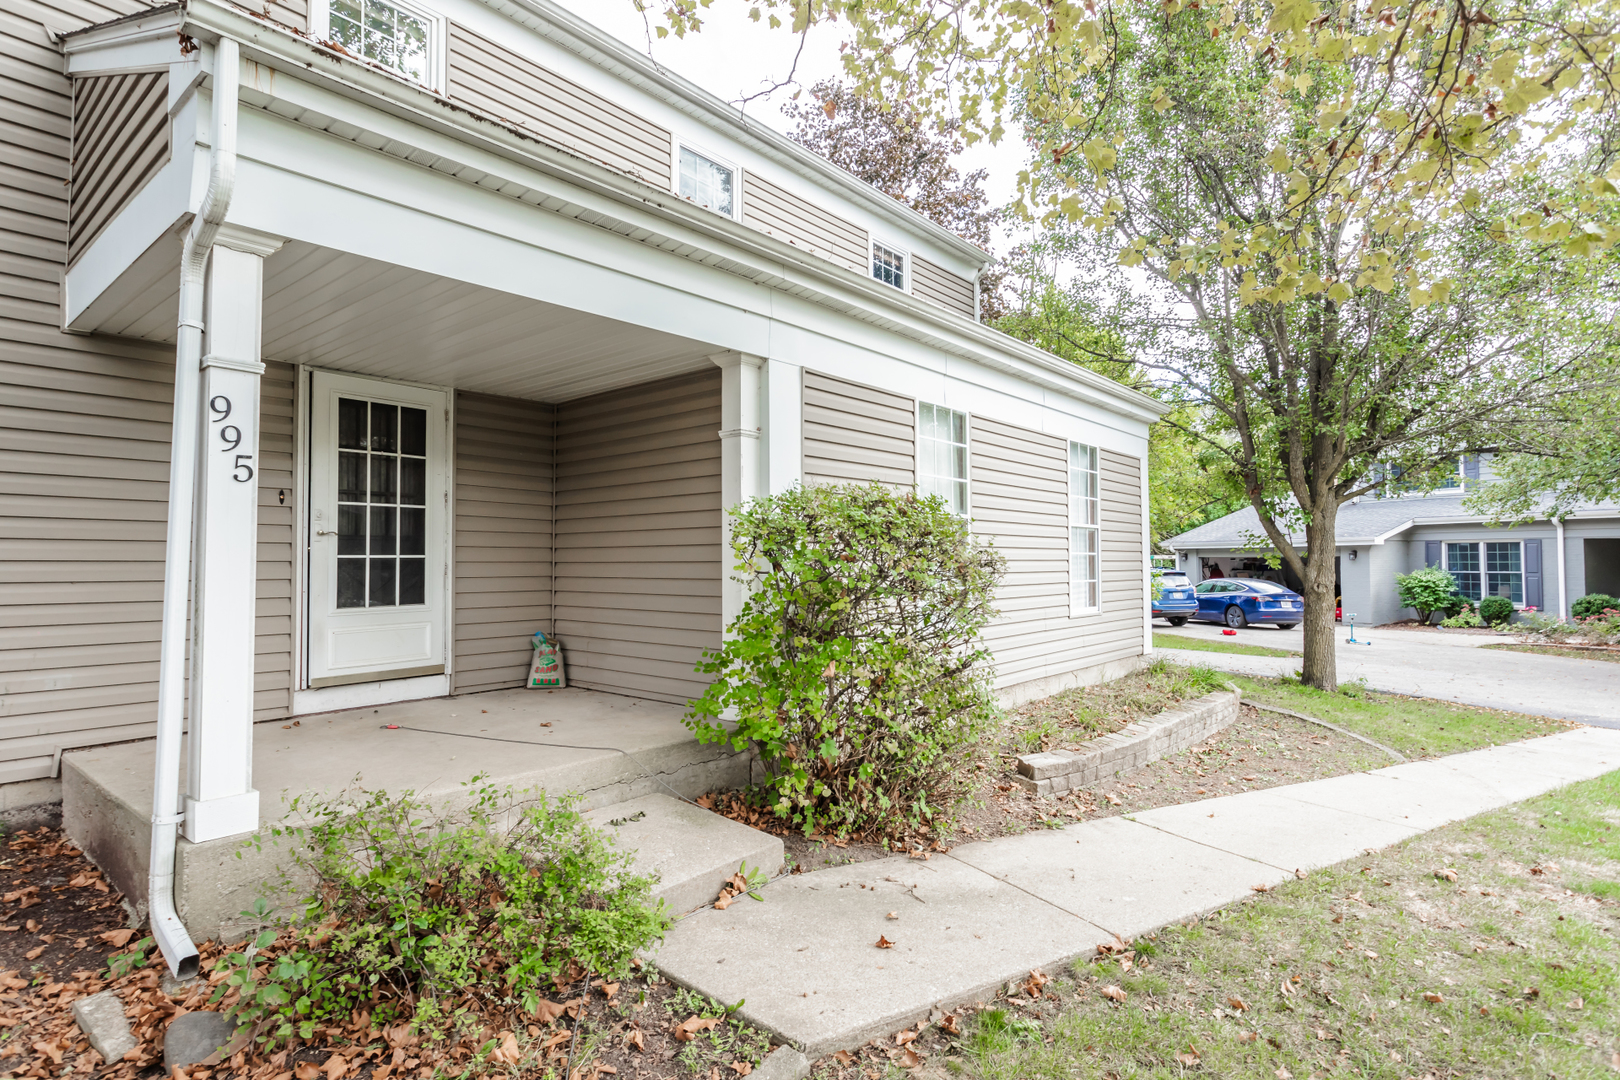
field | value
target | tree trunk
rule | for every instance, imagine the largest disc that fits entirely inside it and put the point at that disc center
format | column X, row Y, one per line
column 1321, row 668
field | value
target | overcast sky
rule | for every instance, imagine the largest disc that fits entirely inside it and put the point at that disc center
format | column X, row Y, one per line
column 734, row 58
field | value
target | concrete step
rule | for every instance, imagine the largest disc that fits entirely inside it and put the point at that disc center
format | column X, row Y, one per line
column 689, row 849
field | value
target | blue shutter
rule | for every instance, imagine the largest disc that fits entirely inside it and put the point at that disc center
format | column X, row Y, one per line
column 1532, row 574
column 1471, row 468
column 1431, row 553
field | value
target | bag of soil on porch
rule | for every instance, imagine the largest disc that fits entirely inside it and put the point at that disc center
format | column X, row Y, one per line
column 546, row 672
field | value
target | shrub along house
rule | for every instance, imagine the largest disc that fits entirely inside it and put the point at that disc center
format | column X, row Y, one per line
column 481, row 318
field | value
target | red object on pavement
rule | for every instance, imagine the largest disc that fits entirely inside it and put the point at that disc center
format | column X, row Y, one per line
column 1230, row 633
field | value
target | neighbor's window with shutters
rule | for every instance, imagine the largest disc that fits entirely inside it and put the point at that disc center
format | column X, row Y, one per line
column 708, row 183
column 889, row 265
column 382, row 504
column 942, row 455
column 1085, row 584
column 1492, row 568
column 392, row 35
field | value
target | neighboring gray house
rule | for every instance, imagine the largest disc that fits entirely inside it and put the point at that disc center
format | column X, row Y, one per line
column 1546, row 565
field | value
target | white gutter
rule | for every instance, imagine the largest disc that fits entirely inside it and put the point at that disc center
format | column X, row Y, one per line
column 1563, row 572
column 170, row 933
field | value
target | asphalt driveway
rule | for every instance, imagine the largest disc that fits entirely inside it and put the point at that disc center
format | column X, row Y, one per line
column 1452, row 667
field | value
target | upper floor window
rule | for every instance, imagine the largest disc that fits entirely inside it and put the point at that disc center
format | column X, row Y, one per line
column 1085, row 543
column 709, row 183
column 889, row 265
column 401, row 37
column 942, row 466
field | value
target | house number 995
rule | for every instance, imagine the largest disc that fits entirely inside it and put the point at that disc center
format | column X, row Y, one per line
column 231, row 436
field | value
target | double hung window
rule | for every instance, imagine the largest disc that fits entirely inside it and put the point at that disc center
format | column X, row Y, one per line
column 1489, row 568
column 942, row 455
column 889, row 265
column 397, row 36
column 1084, row 529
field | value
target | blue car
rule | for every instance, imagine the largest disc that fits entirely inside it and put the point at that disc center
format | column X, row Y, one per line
column 1176, row 601
column 1237, row 602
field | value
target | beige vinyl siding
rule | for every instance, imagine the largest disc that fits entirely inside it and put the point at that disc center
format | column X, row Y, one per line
column 502, row 537
column 120, row 139
column 278, row 517
column 84, row 452
column 1019, row 491
column 293, row 13
column 493, row 80
column 786, row 216
column 638, row 564
column 857, row 434
column 944, row 288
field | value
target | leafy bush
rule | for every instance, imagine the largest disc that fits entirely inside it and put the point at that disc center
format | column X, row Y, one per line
column 1465, row 619
column 1496, row 610
column 1426, row 591
column 1593, row 604
column 856, row 665
column 444, row 920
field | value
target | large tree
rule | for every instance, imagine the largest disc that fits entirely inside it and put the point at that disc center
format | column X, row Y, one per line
column 906, row 155
column 1368, row 231
column 1552, row 468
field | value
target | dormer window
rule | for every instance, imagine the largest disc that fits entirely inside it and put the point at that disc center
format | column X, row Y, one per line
column 710, row 183
column 889, row 265
column 400, row 37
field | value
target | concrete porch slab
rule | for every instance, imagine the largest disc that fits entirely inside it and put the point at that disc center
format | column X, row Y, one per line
column 632, row 747
column 807, row 963
column 1120, row 875
column 691, row 851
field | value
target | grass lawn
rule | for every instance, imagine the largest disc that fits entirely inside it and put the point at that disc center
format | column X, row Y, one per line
column 1610, row 655
column 1176, row 641
column 1417, row 727
column 1381, row 968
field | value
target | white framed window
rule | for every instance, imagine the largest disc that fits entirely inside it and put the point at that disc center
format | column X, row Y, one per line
column 891, row 265
column 1488, row 568
column 1085, row 525
column 942, row 455
column 397, row 35
column 708, row 181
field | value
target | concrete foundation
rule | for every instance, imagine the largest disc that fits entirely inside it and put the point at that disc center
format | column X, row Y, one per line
column 1035, row 689
column 604, row 748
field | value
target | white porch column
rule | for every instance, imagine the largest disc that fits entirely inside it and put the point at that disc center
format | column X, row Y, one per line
column 740, row 474
column 784, row 426
column 220, row 798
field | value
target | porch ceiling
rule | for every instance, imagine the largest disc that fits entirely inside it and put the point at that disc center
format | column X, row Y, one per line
column 335, row 310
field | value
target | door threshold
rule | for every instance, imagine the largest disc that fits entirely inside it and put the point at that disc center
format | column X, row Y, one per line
column 355, row 695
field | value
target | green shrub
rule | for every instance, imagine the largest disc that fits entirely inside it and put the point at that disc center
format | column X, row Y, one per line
column 856, row 665
column 1426, row 591
column 1593, row 604
column 445, row 920
column 1496, row 610
column 1464, row 619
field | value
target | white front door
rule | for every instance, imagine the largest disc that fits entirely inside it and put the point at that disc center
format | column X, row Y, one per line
column 378, row 508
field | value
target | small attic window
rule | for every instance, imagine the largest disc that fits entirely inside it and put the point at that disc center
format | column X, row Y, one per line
column 709, row 183
column 400, row 37
column 889, row 265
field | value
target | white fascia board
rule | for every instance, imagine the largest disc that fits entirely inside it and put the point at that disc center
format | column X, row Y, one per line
column 1379, row 539
column 145, row 41
column 570, row 32
column 414, row 117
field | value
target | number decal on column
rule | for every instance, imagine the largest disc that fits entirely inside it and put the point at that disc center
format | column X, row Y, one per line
column 231, row 436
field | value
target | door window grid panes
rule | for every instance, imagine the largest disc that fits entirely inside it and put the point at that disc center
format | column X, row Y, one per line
column 888, row 266
column 1491, row 568
column 942, row 455
column 383, row 33
column 707, row 183
column 1085, row 541
column 382, row 504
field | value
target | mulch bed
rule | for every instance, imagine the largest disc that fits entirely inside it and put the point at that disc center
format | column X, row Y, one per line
column 1413, row 624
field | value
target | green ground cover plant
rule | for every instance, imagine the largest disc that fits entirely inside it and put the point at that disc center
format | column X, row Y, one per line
column 1417, row 727
column 856, row 667
column 1484, row 949
column 448, row 920
column 1237, row 648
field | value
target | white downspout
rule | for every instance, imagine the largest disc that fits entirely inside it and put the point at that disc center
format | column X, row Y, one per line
column 170, row 933
column 1563, row 572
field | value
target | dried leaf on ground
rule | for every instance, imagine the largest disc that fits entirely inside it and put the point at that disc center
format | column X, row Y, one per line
column 1237, row 1003
column 1113, row 993
column 1433, row 999
column 687, row 1029
column 1446, row 874
column 884, row 943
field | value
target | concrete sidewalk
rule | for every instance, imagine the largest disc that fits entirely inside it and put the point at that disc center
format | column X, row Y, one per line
column 806, row 959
